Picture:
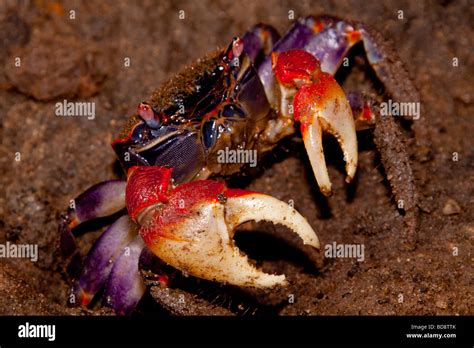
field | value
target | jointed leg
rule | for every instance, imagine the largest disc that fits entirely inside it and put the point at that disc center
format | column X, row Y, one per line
column 392, row 148
column 125, row 286
column 100, row 200
column 101, row 258
column 329, row 39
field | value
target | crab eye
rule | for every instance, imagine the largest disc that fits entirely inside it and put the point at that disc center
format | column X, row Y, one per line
column 237, row 46
column 146, row 113
column 233, row 53
column 141, row 134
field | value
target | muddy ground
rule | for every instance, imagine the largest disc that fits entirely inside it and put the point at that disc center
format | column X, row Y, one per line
column 47, row 160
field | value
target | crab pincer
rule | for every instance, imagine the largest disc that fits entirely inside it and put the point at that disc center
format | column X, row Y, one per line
column 319, row 104
column 191, row 226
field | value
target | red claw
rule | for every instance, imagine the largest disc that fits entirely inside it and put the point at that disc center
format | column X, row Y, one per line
column 294, row 67
column 320, row 105
column 191, row 226
column 308, row 95
column 146, row 186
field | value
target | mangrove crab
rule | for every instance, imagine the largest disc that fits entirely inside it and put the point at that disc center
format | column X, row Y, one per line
column 246, row 97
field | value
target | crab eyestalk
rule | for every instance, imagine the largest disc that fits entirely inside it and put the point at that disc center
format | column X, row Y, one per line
column 191, row 226
column 146, row 113
column 319, row 104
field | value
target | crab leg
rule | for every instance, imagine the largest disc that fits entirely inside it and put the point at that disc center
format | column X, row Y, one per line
column 330, row 44
column 125, row 285
column 68, row 248
column 383, row 59
column 101, row 258
column 390, row 142
column 396, row 80
column 329, row 39
column 259, row 42
column 333, row 40
column 392, row 148
column 191, row 226
column 100, row 200
column 363, row 110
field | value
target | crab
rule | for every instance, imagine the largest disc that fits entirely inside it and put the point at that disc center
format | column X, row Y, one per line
column 246, row 97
